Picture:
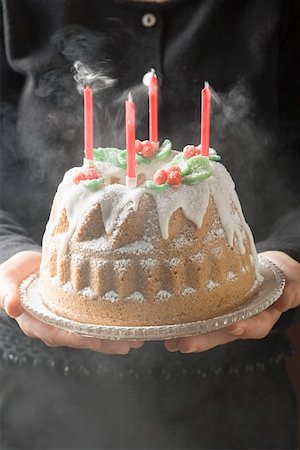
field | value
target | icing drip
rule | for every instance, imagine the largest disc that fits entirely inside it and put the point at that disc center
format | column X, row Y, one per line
column 223, row 191
column 192, row 199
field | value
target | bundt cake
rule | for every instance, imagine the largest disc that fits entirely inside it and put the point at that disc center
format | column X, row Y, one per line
column 175, row 249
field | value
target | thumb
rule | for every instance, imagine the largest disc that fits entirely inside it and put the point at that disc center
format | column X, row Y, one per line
column 12, row 273
column 10, row 297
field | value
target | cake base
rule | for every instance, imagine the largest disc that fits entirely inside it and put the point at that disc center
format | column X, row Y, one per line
column 270, row 290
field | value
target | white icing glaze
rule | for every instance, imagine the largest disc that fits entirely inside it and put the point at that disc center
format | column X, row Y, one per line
column 116, row 202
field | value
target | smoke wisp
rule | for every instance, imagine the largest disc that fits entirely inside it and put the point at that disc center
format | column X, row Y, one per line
column 84, row 75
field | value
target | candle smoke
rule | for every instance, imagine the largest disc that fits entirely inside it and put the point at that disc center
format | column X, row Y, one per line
column 85, row 76
column 235, row 126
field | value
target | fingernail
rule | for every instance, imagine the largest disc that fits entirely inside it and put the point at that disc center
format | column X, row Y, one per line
column 136, row 344
column 172, row 346
column 189, row 350
column 4, row 302
column 6, row 306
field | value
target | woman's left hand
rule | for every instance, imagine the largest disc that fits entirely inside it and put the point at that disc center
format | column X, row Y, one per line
column 256, row 327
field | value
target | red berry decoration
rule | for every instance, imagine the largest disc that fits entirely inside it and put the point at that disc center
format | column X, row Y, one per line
column 146, row 148
column 91, row 173
column 148, row 151
column 174, row 178
column 138, row 146
column 173, row 169
column 189, row 151
column 198, row 149
column 78, row 177
column 160, row 176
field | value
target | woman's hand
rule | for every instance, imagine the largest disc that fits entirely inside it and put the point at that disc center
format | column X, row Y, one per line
column 255, row 327
column 12, row 273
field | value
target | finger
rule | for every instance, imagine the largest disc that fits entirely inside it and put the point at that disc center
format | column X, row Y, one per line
column 56, row 337
column 256, row 327
column 136, row 344
column 10, row 297
column 172, row 345
column 12, row 273
column 201, row 343
column 21, row 265
column 120, row 347
column 290, row 297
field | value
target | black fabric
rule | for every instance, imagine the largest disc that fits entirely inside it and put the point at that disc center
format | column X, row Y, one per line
column 122, row 411
column 249, row 52
column 149, row 399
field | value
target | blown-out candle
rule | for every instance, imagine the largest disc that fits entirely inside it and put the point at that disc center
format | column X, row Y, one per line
column 88, row 124
column 205, row 119
column 130, row 141
column 153, row 107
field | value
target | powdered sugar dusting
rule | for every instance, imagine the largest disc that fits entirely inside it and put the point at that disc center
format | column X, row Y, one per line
column 136, row 247
column 163, row 295
column 54, row 281
column 121, row 265
column 188, row 291
column 197, row 257
column 212, row 285
column 77, row 259
column 216, row 232
column 99, row 263
column 101, row 244
column 182, row 241
column 173, row 262
column 88, row 293
column 231, row 276
column 111, row 296
column 68, row 288
column 148, row 263
column 136, row 297
column 217, row 251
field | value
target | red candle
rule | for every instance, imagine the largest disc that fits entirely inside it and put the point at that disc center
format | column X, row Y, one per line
column 130, row 137
column 205, row 119
column 153, row 108
column 88, row 124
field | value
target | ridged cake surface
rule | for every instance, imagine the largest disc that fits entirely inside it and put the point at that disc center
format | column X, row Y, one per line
column 118, row 256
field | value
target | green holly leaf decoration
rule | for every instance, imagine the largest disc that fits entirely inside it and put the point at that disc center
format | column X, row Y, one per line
column 164, row 150
column 108, row 154
column 215, row 157
column 93, row 185
column 155, row 187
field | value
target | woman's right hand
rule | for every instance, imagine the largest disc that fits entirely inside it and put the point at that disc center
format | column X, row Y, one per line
column 12, row 273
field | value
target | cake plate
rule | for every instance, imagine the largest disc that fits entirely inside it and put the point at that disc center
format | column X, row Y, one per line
column 270, row 291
